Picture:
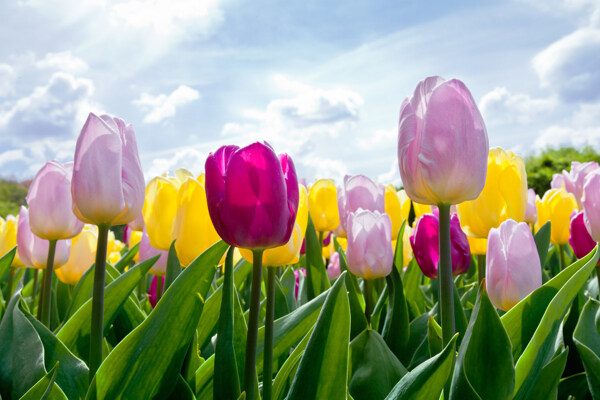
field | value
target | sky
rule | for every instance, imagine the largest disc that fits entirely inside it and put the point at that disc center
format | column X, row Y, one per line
column 320, row 80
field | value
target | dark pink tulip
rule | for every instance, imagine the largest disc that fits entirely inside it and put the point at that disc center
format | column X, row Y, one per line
column 252, row 195
column 153, row 291
column 297, row 283
column 580, row 239
column 425, row 244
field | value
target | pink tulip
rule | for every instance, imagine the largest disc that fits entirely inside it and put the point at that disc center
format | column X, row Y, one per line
column 153, row 291
column 252, row 195
column 333, row 269
column 369, row 253
column 50, row 204
column 575, row 179
column 558, row 181
column 137, row 224
column 591, row 204
column 513, row 268
column 531, row 210
column 442, row 143
column 580, row 239
column 425, row 245
column 34, row 250
column 357, row 192
column 108, row 183
column 146, row 251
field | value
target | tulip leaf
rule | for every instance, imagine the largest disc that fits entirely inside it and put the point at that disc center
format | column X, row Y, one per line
column 428, row 379
column 417, row 349
column 127, row 258
column 522, row 320
column 323, row 369
column 587, row 339
column 45, row 388
column 75, row 333
column 472, row 378
column 415, row 299
column 147, row 362
column 375, row 369
column 434, row 337
column 539, row 349
column 317, row 279
column 542, row 242
column 288, row 368
column 546, row 386
column 173, row 267
column 207, row 325
column 574, row 387
column 5, row 262
column 358, row 321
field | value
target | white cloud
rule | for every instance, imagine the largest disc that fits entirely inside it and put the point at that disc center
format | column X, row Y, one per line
column 582, row 129
column 6, row 79
column 158, row 108
column 571, row 65
column 11, row 155
column 189, row 158
column 587, row 10
column 63, row 61
column 501, row 107
column 391, row 176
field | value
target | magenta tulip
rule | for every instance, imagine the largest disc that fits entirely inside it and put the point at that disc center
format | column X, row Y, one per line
column 146, row 251
column 108, row 183
column 50, row 204
column 33, row 250
column 580, row 239
column 369, row 253
column 442, row 143
column 425, row 245
column 531, row 210
column 591, row 204
column 252, row 195
column 153, row 291
column 513, row 268
column 297, row 280
column 358, row 191
column 333, row 269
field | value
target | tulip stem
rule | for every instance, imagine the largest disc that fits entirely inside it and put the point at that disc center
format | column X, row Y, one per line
column 47, row 290
column 269, row 317
column 11, row 274
column 252, row 337
column 598, row 276
column 41, row 299
column 480, row 267
column 445, row 276
column 561, row 256
column 368, row 293
column 159, row 289
column 97, row 332
column 35, row 281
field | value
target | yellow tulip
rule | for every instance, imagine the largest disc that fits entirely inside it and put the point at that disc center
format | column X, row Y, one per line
column 406, row 248
column 556, row 206
column 160, row 207
column 420, row 210
column 404, row 204
column 193, row 230
column 323, row 206
column 503, row 197
column 135, row 238
column 81, row 258
column 393, row 208
column 478, row 246
column 343, row 242
column 8, row 239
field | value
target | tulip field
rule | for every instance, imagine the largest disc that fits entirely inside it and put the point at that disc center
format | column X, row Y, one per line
column 246, row 282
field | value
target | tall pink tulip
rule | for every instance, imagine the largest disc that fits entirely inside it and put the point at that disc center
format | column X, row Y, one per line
column 531, row 210
column 358, row 191
column 108, row 183
column 575, row 178
column 591, row 204
column 426, row 246
column 513, row 268
column 50, row 204
column 580, row 239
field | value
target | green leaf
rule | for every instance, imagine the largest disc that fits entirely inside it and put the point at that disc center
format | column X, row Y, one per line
column 484, row 335
column 147, row 362
column 417, row 349
column 226, row 382
column 6, row 260
column 542, row 242
column 207, row 325
column 358, row 321
column 546, row 386
column 75, row 333
column 574, row 385
column 434, row 336
column 182, row 391
column 428, row 379
column 539, row 350
column 127, row 258
column 173, row 267
column 45, row 388
column 323, row 369
column 415, row 298
column 288, row 368
column 460, row 319
column 375, row 369
column 587, row 339
column 317, row 280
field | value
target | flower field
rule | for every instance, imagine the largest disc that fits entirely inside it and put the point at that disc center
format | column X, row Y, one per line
column 247, row 282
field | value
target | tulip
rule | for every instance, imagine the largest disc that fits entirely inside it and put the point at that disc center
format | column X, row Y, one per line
column 147, row 251
column 193, row 229
column 357, row 192
column 580, row 240
column 252, row 198
column 393, row 208
column 333, row 269
column 138, row 223
column 503, row 197
column 513, row 267
column 8, row 239
column 531, row 211
column 425, row 245
column 323, row 206
column 297, row 282
column 81, row 258
column 574, row 180
column 556, row 206
column 478, row 246
column 406, row 247
column 557, row 182
column 404, row 204
column 160, row 208
column 155, row 292
column 50, row 204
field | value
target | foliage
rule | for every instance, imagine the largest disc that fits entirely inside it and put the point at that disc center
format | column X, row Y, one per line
column 12, row 196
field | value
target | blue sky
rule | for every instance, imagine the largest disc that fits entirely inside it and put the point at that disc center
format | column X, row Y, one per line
column 321, row 80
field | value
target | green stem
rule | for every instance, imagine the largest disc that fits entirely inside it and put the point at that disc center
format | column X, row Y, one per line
column 269, row 317
column 445, row 276
column 480, row 267
column 41, row 299
column 11, row 275
column 97, row 330
column 159, row 288
column 252, row 337
column 47, row 301
column 35, row 281
column 598, row 276
column 368, row 293
column 561, row 256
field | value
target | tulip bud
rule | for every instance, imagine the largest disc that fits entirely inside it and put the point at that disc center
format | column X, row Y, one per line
column 370, row 254
column 557, row 182
column 148, row 251
column 357, row 192
column 478, row 246
column 591, row 205
column 81, row 258
column 138, row 223
column 531, row 211
column 420, row 210
column 323, row 206
column 297, row 282
column 404, row 204
column 442, row 143
column 160, row 207
column 34, row 250
column 425, row 245
column 50, row 204
column 108, row 183
column 8, row 239
column 393, row 208
column 556, row 206
column 580, row 240
column 252, row 195
column 153, row 291
column 574, row 180
column 513, row 268
column 333, row 269
column 503, row 197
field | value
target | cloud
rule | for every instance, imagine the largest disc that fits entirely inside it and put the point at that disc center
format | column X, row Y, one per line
column 501, row 107
column 587, row 10
column 158, row 108
column 6, row 80
column 189, row 158
column 11, row 155
column 63, row 61
column 571, row 65
column 582, row 129
column 25, row 161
